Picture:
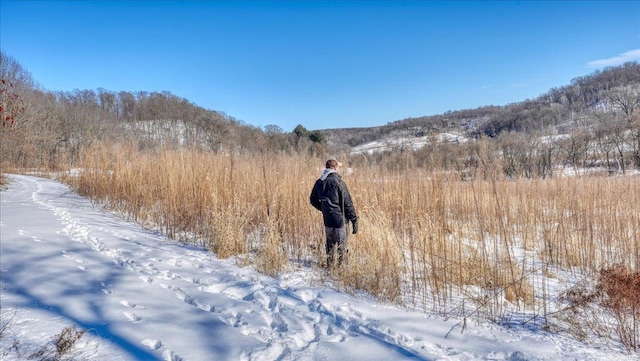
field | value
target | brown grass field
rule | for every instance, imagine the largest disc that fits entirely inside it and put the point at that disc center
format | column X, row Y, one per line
column 427, row 238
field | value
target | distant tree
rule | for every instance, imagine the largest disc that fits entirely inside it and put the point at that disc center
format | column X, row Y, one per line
column 272, row 130
column 604, row 145
column 626, row 98
column 277, row 140
column 634, row 139
column 317, row 136
column 546, row 155
column 14, row 82
column 11, row 103
column 127, row 104
column 108, row 103
column 574, row 148
column 300, row 131
column 618, row 129
column 214, row 129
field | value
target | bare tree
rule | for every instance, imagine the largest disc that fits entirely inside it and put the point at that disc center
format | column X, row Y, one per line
column 575, row 148
column 634, row 138
column 626, row 98
column 15, row 82
column 604, row 145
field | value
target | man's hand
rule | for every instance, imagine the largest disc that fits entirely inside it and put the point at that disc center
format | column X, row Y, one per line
column 355, row 225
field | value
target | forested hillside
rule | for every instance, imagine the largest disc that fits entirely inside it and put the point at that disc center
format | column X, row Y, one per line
column 614, row 89
column 43, row 128
column 592, row 122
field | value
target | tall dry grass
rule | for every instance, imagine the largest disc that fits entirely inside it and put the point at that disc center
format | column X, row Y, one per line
column 426, row 238
column 227, row 203
column 3, row 181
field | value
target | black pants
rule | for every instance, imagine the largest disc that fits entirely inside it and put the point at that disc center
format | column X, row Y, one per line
column 336, row 243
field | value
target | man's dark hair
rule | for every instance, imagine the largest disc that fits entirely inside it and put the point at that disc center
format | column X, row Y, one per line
column 332, row 163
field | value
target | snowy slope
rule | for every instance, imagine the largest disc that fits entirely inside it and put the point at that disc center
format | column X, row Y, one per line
column 406, row 142
column 143, row 297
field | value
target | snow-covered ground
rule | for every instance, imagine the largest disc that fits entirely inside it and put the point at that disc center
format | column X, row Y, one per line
column 406, row 143
column 140, row 296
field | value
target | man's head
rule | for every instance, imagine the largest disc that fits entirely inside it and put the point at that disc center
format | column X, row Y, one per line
column 333, row 163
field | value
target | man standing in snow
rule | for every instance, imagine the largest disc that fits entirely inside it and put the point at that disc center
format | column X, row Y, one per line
column 331, row 196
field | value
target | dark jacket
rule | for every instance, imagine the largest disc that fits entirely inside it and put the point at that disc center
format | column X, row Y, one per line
column 331, row 196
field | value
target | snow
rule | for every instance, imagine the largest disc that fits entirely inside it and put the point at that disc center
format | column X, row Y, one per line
column 407, row 143
column 140, row 296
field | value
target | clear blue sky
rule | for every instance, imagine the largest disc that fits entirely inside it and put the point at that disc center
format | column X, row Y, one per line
column 331, row 64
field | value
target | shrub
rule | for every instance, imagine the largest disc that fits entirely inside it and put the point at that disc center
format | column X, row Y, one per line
column 66, row 340
column 608, row 306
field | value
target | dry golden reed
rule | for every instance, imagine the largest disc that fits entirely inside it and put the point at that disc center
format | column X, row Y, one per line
column 425, row 236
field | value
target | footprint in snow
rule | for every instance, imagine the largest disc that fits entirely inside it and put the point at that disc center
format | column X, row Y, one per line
column 106, row 289
column 242, row 290
column 131, row 316
column 152, row 344
column 170, row 356
column 183, row 296
column 232, row 319
column 167, row 275
column 213, row 288
column 128, row 304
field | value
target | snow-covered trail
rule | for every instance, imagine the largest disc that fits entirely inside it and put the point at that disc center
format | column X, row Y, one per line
column 153, row 299
column 142, row 297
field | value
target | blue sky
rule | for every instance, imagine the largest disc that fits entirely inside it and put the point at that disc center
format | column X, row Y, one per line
column 331, row 64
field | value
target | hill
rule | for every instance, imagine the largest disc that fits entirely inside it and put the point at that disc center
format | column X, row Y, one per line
column 614, row 89
column 591, row 122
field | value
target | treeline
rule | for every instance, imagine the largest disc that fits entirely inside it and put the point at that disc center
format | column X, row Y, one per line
column 45, row 129
column 592, row 123
column 608, row 146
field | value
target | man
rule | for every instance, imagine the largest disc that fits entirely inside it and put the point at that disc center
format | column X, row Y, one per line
column 331, row 196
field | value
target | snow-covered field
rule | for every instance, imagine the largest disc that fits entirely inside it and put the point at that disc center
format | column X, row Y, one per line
column 406, row 143
column 140, row 296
